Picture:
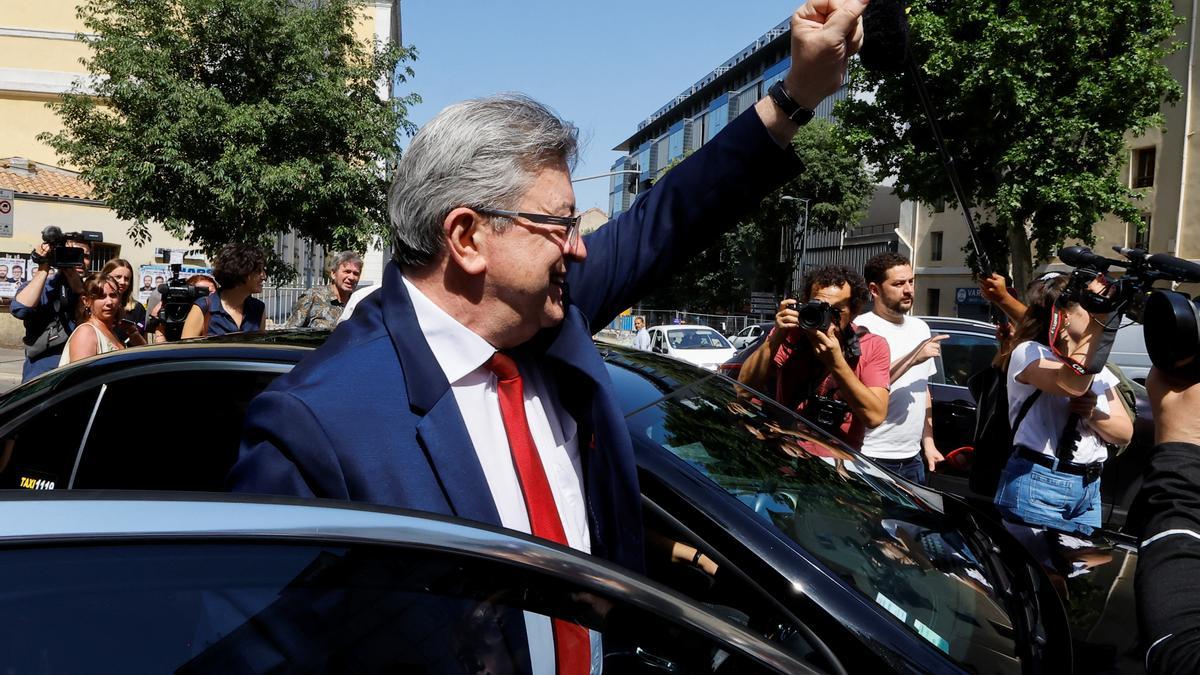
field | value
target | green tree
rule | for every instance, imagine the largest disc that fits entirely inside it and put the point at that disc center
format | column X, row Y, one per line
column 747, row 257
column 234, row 120
column 1034, row 101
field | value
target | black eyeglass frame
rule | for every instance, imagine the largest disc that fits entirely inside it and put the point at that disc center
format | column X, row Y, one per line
column 572, row 223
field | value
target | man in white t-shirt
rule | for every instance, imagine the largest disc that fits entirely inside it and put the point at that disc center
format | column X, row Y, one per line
column 903, row 444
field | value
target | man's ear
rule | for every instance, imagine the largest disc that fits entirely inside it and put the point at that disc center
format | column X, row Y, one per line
column 873, row 288
column 464, row 231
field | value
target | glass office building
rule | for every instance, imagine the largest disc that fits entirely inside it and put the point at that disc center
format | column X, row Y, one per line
column 696, row 115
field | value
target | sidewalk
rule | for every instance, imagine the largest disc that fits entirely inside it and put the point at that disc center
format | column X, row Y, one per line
column 10, row 368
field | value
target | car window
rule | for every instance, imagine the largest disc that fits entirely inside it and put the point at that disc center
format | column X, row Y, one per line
column 963, row 355
column 176, row 430
column 867, row 528
column 697, row 338
column 40, row 454
column 255, row 608
column 659, row 343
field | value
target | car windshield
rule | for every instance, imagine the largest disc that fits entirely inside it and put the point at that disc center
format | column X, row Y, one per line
column 697, row 338
column 876, row 533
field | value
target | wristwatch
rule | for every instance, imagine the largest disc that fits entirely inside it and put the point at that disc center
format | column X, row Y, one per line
column 794, row 111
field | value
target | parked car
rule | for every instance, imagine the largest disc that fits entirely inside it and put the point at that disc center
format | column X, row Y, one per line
column 698, row 345
column 969, row 348
column 821, row 553
column 749, row 334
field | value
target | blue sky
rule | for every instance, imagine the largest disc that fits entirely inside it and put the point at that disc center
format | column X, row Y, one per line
column 603, row 65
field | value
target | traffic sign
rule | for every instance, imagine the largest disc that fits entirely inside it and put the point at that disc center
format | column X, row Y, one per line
column 6, row 213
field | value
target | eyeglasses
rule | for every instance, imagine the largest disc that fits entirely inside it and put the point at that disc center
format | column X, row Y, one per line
column 569, row 222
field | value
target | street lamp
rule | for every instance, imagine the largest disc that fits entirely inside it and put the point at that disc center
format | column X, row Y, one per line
column 804, row 231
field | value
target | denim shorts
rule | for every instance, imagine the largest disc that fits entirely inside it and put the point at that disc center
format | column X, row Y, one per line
column 1037, row 495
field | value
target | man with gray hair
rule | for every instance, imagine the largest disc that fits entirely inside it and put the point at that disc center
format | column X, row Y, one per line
column 477, row 390
column 321, row 306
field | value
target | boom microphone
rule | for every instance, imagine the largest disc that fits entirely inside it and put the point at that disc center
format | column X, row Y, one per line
column 1178, row 268
column 886, row 49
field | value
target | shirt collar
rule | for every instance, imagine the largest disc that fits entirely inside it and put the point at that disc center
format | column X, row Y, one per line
column 458, row 350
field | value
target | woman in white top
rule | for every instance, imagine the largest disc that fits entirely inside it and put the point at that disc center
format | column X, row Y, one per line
column 97, row 323
column 1052, row 478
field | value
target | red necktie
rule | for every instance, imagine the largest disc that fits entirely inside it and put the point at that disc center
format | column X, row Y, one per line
column 572, row 646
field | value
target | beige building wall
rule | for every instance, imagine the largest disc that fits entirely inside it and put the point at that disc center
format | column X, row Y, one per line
column 40, row 60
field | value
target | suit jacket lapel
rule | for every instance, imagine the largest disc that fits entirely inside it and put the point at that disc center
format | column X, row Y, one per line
column 442, row 430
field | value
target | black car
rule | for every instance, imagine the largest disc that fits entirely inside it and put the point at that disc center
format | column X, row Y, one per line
column 820, row 552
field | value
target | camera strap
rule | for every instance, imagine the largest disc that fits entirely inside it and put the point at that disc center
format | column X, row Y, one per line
column 1099, row 357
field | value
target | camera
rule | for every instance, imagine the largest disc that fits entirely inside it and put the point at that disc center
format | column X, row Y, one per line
column 61, row 255
column 1170, row 319
column 817, row 315
column 177, row 300
column 827, row 413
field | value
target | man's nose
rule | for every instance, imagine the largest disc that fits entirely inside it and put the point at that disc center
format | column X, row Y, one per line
column 578, row 253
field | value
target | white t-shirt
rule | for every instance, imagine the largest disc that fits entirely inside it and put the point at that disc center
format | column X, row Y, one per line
column 899, row 437
column 1043, row 425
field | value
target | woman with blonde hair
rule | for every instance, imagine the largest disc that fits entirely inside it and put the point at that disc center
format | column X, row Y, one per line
column 132, row 311
column 98, row 324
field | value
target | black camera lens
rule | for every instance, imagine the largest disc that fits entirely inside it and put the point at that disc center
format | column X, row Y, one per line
column 1172, row 328
column 816, row 315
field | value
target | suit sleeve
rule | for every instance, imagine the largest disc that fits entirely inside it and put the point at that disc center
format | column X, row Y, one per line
column 1169, row 559
column 285, row 451
column 681, row 215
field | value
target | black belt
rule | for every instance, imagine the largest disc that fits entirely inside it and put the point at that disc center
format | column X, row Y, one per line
column 1090, row 472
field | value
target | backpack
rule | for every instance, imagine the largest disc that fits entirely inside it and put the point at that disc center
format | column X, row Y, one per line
column 993, row 439
column 1127, row 395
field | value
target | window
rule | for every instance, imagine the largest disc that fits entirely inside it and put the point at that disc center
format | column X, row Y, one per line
column 1138, row 236
column 933, row 301
column 41, row 453
column 267, row 606
column 935, row 246
column 962, row 356
column 1143, row 167
column 169, row 457
column 102, row 253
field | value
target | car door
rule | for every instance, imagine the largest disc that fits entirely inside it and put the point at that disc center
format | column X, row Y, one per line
column 220, row 586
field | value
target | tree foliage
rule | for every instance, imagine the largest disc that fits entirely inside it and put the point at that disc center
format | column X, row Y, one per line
column 234, row 120
column 747, row 257
column 1034, row 100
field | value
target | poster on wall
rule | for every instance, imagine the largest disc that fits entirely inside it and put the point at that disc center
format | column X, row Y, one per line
column 151, row 276
column 14, row 271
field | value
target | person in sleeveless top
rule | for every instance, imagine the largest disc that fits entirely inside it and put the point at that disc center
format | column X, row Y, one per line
column 240, row 271
column 98, row 329
column 133, row 313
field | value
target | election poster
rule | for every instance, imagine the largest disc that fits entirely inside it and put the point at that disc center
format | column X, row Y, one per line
column 14, row 271
column 150, row 277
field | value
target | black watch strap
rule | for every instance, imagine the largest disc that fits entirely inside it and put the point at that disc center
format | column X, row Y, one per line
column 794, row 111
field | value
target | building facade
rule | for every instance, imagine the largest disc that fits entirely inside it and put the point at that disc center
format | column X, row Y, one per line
column 39, row 61
column 1163, row 166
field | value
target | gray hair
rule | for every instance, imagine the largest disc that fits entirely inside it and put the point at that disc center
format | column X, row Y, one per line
column 342, row 258
column 477, row 153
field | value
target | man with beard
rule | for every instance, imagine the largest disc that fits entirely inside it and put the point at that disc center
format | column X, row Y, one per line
column 836, row 376
column 899, row 443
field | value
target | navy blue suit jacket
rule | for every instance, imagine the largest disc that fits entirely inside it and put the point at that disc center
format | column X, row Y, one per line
column 370, row 416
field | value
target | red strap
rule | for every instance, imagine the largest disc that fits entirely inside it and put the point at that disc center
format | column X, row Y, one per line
column 572, row 646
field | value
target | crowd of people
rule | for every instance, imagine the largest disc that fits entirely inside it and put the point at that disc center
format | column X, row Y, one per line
column 69, row 314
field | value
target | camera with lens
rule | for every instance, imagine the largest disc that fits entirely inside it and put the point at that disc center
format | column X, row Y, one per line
column 1170, row 319
column 177, row 300
column 62, row 256
column 827, row 413
column 817, row 315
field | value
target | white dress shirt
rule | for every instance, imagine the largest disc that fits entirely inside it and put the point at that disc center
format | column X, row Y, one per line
column 462, row 355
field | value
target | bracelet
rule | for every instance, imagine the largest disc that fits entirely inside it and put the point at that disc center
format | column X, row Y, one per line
column 696, row 558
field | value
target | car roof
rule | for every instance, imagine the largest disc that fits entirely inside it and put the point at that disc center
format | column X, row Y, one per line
column 673, row 326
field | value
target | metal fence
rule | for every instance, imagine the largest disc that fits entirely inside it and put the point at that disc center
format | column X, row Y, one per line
column 279, row 302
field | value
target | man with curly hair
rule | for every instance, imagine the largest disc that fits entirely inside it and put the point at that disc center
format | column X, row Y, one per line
column 837, row 375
